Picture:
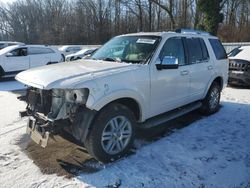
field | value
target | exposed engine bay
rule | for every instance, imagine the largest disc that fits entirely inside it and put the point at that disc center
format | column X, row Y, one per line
column 51, row 111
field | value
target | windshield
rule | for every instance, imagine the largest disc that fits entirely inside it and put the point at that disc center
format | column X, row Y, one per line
column 62, row 48
column 82, row 51
column 132, row 49
column 7, row 49
column 234, row 52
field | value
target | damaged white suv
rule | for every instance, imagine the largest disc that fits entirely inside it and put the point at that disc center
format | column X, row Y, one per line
column 134, row 80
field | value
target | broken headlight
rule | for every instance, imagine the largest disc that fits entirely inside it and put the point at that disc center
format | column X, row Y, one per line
column 76, row 96
column 63, row 100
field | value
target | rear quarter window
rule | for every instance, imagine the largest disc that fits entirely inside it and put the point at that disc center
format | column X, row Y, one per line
column 218, row 49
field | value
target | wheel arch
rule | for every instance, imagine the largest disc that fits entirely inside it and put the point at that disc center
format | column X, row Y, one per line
column 219, row 80
column 130, row 103
column 127, row 98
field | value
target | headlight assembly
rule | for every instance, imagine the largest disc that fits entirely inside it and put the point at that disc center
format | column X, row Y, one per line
column 76, row 96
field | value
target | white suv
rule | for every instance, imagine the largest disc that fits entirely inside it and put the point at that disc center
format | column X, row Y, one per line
column 134, row 80
column 14, row 59
column 66, row 50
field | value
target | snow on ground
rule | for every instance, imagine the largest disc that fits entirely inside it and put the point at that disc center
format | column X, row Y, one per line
column 213, row 151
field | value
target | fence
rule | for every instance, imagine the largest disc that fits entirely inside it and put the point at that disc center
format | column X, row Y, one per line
column 230, row 46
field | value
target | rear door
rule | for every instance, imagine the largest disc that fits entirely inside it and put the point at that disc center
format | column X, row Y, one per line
column 201, row 66
column 17, row 60
column 38, row 56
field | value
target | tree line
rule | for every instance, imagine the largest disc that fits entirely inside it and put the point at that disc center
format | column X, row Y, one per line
column 96, row 21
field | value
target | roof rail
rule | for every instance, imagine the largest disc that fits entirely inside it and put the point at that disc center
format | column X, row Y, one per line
column 191, row 31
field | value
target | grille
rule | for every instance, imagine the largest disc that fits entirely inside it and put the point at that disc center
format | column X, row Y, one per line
column 239, row 65
column 39, row 100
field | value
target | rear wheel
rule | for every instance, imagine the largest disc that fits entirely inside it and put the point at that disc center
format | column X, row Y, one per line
column 112, row 133
column 211, row 103
column 1, row 72
column 63, row 58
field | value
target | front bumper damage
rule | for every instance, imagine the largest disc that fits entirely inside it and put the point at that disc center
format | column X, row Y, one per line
column 42, row 125
column 37, row 133
column 40, row 128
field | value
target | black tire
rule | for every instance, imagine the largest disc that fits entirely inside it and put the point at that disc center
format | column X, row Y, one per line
column 1, row 72
column 63, row 58
column 94, row 143
column 211, row 103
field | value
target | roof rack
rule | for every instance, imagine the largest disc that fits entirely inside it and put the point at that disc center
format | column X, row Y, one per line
column 191, row 31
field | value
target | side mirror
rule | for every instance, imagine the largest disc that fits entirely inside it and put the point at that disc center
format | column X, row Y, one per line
column 9, row 54
column 168, row 62
column 67, row 50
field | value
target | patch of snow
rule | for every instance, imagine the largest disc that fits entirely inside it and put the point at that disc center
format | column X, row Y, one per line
column 211, row 152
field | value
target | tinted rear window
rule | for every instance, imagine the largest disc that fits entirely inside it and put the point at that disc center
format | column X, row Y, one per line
column 195, row 51
column 218, row 49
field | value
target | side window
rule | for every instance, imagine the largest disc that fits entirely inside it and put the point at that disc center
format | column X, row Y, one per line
column 77, row 49
column 48, row 51
column 205, row 55
column 34, row 51
column 218, row 49
column 19, row 52
column 195, row 50
column 71, row 49
column 174, row 47
column 39, row 50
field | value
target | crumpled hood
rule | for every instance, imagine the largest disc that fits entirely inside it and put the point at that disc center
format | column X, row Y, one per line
column 68, row 74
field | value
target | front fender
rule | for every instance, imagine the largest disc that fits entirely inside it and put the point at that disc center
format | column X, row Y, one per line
column 97, row 100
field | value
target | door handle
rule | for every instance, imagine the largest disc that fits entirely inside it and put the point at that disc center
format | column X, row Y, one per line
column 210, row 67
column 185, row 72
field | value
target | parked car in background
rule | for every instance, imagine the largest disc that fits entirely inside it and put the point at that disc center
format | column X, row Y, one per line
column 133, row 81
column 80, row 54
column 14, row 59
column 239, row 66
column 4, row 44
column 66, row 50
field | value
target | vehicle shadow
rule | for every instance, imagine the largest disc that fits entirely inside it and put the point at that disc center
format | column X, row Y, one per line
column 7, row 79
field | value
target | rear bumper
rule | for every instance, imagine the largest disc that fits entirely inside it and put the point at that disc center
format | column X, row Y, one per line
column 239, row 78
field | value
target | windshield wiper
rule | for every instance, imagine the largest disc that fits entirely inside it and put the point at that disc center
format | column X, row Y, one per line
column 111, row 59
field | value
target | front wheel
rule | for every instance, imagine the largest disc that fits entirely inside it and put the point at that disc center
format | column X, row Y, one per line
column 211, row 103
column 112, row 133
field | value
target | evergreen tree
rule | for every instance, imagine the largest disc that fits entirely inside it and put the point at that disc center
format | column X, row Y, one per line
column 211, row 10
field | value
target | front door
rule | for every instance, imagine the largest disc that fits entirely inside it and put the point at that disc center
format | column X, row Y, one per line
column 170, row 87
column 16, row 61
